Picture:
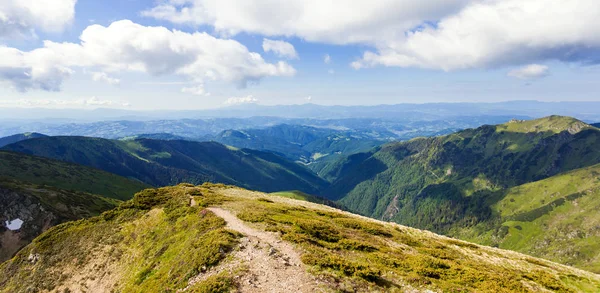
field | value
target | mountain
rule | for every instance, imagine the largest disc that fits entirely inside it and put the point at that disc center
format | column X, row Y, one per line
column 160, row 162
column 424, row 111
column 30, row 209
column 555, row 218
column 19, row 137
column 37, row 193
column 311, row 146
column 160, row 136
column 215, row 238
column 450, row 183
column 68, row 176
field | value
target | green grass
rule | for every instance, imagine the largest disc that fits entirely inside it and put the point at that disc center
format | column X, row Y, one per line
column 43, row 171
column 154, row 241
column 468, row 183
column 554, row 218
column 162, row 162
column 157, row 242
column 299, row 195
column 359, row 254
column 44, row 206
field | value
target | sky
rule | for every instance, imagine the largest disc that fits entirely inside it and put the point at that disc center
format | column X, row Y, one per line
column 198, row 54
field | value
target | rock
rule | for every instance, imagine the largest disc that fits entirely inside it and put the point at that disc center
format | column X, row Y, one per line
column 272, row 251
column 33, row 258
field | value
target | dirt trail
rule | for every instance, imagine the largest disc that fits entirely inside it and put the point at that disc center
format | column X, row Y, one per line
column 271, row 265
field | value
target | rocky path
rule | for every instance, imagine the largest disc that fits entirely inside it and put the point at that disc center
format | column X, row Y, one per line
column 271, row 265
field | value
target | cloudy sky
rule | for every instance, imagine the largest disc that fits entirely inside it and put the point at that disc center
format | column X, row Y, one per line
column 193, row 54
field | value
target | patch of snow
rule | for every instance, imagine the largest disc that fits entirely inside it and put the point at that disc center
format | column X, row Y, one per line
column 14, row 224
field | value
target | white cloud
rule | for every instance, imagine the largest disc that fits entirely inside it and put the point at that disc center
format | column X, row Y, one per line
column 531, row 71
column 37, row 69
column 195, row 90
column 331, row 71
column 309, row 98
column 327, row 59
column 498, row 33
column 280, row 48
column 103, row 77
column 127, row 46
column 332, row 21
column 90, row 102
column 241, row 100
column 20, row 18
column 436, row 34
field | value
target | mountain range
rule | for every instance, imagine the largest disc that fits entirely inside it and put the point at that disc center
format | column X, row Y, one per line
column 530, row 186
column 161, row 162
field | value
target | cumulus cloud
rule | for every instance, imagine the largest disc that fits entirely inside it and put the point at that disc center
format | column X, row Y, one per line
column 103, row 77
column 37, row 69
column 531, row 71
column 127, row 46
column 280, row 48
column 241, row 100
column 197, row 90
column 333, row 21
column 438, row 34
column 327, row 59
column 20, row 18
column 89, row 102
column 498, row 33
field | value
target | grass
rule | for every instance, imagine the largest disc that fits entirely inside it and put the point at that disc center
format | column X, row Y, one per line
column 370, row 256
column 43, row 171
column 554, row 218
column 154, row 241
column 158, row 242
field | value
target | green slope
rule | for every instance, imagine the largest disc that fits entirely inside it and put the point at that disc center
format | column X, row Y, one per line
column 19, row 137
column 556, row 218
column 157, row 242
column 160, row 163
column 41, row 207
column 445, row 184
column 44, row 171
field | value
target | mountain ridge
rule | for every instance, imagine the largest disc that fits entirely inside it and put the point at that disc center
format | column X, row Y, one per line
column 206, row 238
column 160, row 163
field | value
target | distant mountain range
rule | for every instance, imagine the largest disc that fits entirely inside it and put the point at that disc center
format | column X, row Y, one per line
column 499, row 185
column 589, row 111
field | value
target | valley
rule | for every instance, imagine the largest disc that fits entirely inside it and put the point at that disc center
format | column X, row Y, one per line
column 530, row 186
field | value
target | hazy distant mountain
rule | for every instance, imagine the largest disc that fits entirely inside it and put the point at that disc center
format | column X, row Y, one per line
column 201, row 129
column 589, row 111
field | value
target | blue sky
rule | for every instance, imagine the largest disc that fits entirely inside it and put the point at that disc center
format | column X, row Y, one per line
column 381, row 52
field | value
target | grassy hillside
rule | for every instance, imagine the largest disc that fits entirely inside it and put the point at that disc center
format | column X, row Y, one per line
column 18, row 137
column 161, row 163
column 166, row 240
column 68, row 176
column 445, row 184
column 555, row 218
column 41, row 207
